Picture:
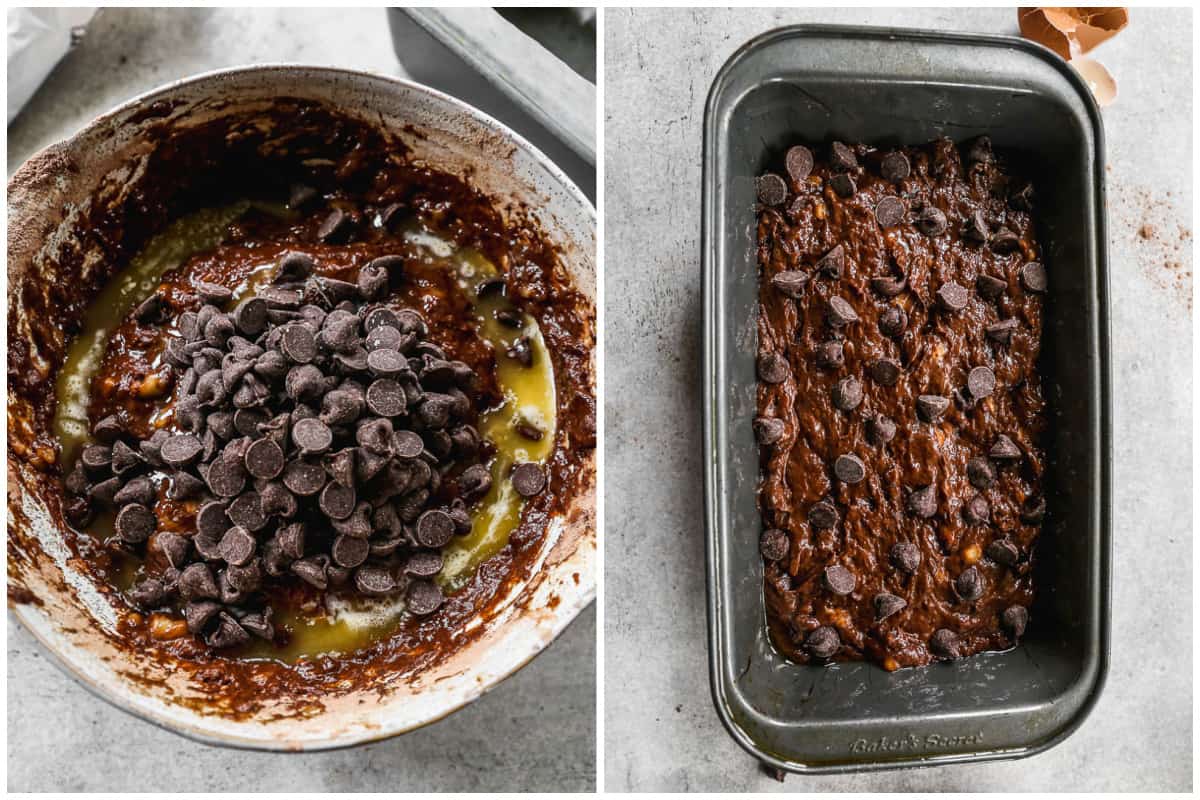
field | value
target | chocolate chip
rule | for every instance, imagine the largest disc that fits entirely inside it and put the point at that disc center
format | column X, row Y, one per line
column 385, row 337
column 888, row 286
column 799, row 162
column 264, row 459
column 1033, row 277
column 304, row 382
column 839, row 580
column 931, row 221
column 880, row 430
column 893, row 321
column 226, row 476
column 841, row 157
column 108, row 429
column 980, row 472
column 885, row 371
column 184, row 486
column 312, row 570
column 887, row 604
column 510, row 318
column 944, row 644
column 228, row 633
column 790, row 283
column 298, row 344
column 386, row 398
column 259, row 624
column 774, row 544
column 435, row 528
column 374, row 580
column 923, row 502
column 237, row 545
column 894, row 167
column 179, row 451
column 349, row 551
column 773, row 368
column 196, row 582
column 213, row 292
column 424, row 597
column 847, row 394
column 772, row 189
column 135, row 523
column 1033, row 510
column 830, row 354
column 247, row 512
column 832, row 263
column 768, row 430
column 840, row 313
column 905, row 556
column 251, row 316
column 149, row 311
column 105, row 491
column 337, row 501
column 294, row 267
column 1003, row 551
column 822, row 642
column 976, row 228
column 528, row 479
column 303, row 478
column 843, row 185
column 890, row 211
column 138, row 490
column 311, row 436
column 1004, row 241
column 976, row 510
column 386, row 363
column 952, row 296
column 981, row 382
column 376, row 436
column 822, row 516
column 1015, row 619
column 849, row 468
column 1004, row 449
column 336, row 227
column 1002, row 331
column 275, row 499
column 373, row 281
column 407, row 444
column 199, row 613
column 290, row 539
column 211, row 520
column 177, row 548
column 931, row 407
column 969, row 584
column 475, row 481
column 424, row 564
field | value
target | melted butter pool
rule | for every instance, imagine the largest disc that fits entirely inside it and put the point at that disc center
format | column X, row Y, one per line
column 188, row 235
column 334, row 624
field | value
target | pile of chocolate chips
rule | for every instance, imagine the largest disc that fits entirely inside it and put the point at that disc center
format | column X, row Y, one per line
column 318, row 435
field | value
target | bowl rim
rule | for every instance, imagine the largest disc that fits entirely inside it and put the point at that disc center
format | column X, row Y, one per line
column 565, row 614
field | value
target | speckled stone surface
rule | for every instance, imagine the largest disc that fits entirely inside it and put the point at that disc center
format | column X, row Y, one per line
column 661, row 732
column 536, row 731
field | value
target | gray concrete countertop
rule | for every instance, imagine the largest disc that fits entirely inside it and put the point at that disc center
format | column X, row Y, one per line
column 536, row 731
column 661, row 732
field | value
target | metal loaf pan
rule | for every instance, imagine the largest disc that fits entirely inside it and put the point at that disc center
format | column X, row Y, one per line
column 888, row 87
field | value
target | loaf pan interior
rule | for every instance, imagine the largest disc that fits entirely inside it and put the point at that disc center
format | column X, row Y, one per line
column 812, row 85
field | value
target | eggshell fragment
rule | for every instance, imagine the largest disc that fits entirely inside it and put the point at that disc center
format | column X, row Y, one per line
column 1071, row 32
column 1103, row 87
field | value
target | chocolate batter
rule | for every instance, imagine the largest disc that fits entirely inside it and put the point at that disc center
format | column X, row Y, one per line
column 900, row 411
